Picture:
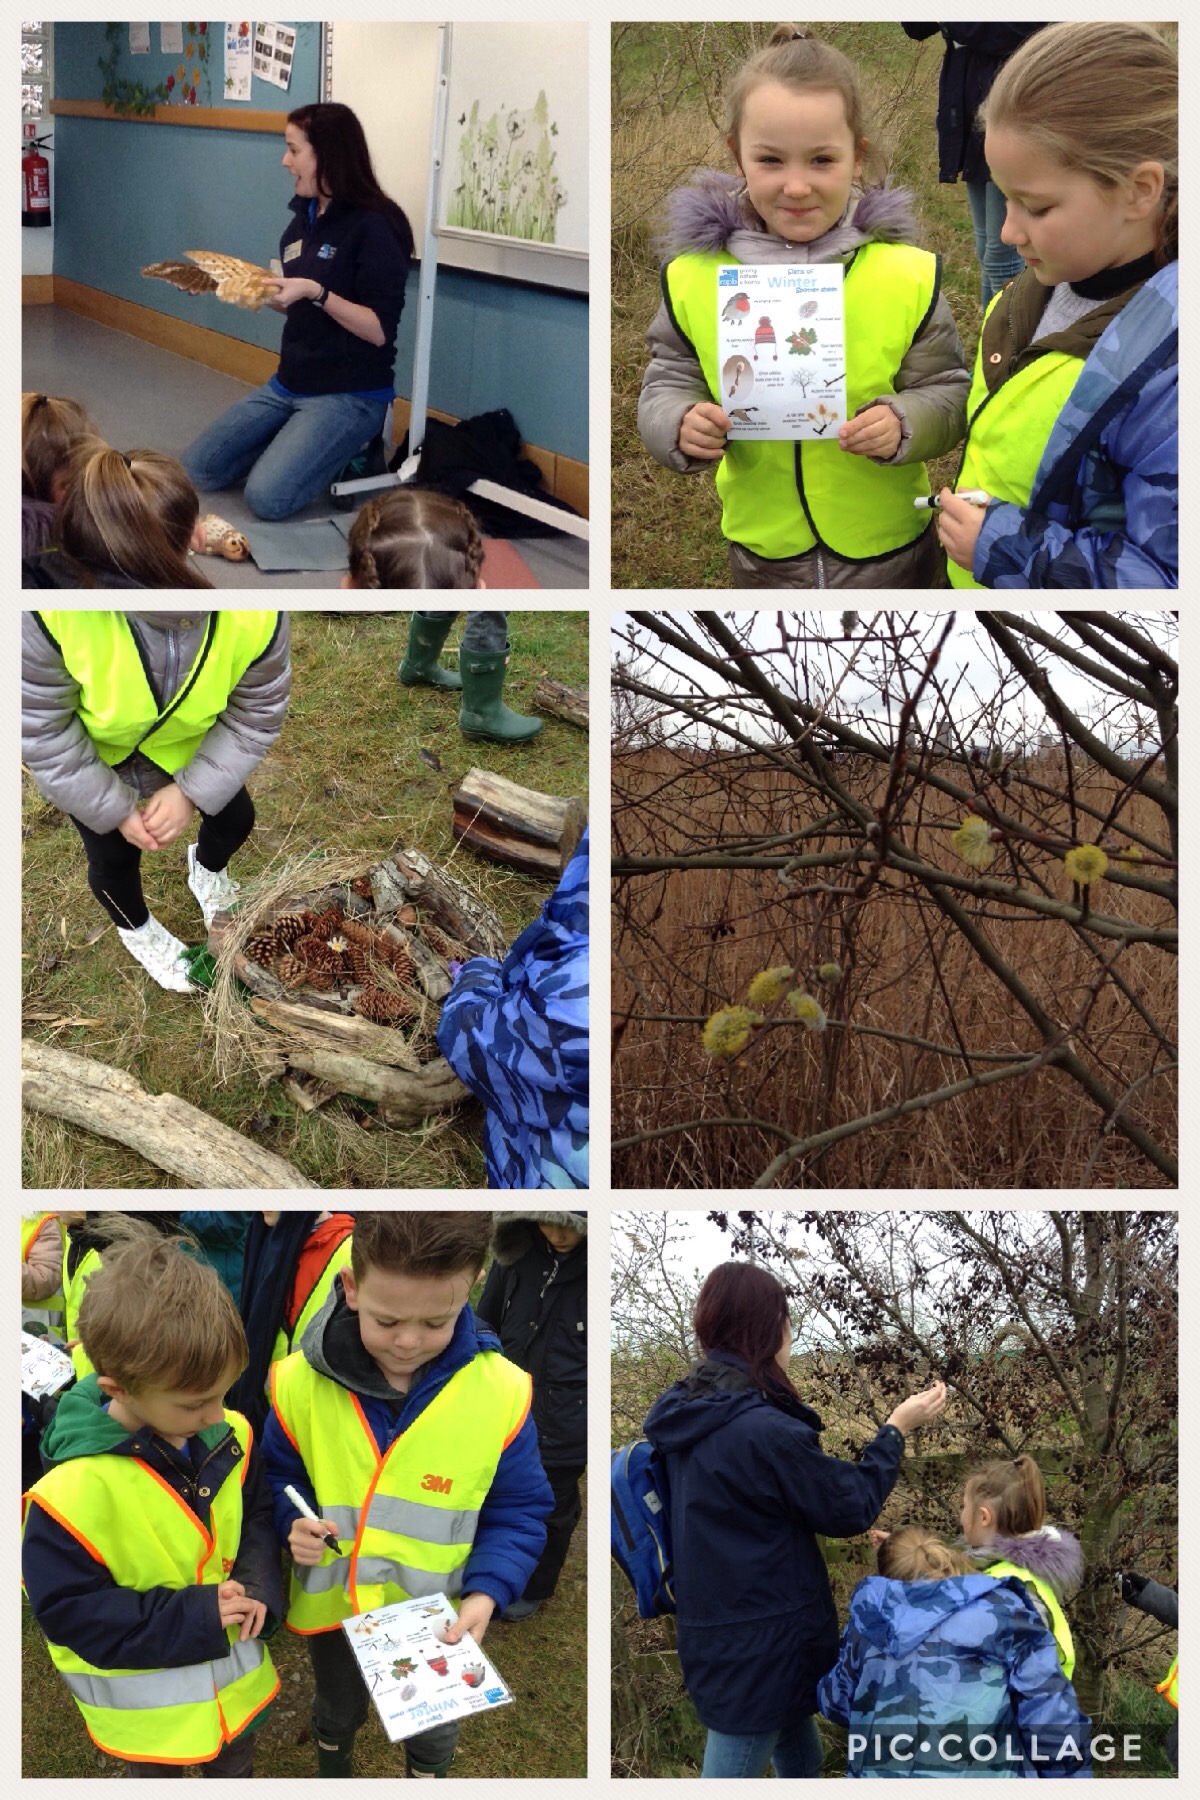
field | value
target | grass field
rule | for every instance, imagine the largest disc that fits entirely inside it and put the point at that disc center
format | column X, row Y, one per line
column 667, row 81
column 688, row 941
column 362, row 764
column 542, row 1735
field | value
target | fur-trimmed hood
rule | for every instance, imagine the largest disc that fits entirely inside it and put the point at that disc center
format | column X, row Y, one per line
column 712, row 214
column 513, row 1232
column 1053, row 1555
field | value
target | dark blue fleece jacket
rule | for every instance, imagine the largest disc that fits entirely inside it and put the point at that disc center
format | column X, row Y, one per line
column 74, row 1598
column 354, row 253
column 510, row 1535
column 750, row 1488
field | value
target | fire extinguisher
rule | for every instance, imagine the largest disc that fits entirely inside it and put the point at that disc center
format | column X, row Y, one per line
column 35, row 181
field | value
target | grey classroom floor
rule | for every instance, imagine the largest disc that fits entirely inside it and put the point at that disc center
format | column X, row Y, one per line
column 139, row 396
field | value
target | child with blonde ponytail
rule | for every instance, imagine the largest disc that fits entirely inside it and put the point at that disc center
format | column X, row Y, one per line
column 126, row 519
column 1004, row 1525
column 945, row 1671
column 51, row 427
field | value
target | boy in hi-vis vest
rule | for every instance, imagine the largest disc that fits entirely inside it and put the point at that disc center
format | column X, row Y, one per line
column 405, row 1429
column 149, row 1556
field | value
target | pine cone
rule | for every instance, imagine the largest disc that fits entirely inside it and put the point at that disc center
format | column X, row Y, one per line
column 359, row 962
column 316, row 954
column 358, row 933
column 362, row 886
column 437, row 940
column 292, row 972
column 291, row 925
column 321, row 979
column 382, row 1008
column 327, row 923
column 261, row 948
column 400, row 961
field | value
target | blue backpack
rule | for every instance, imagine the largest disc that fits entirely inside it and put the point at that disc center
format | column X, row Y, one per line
column 640, row 1526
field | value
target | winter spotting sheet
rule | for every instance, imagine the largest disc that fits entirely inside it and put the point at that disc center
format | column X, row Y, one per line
column 781, row 340
column 416, row 1680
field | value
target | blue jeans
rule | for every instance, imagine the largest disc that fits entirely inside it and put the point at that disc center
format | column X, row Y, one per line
column 998, row 262
column 288, row 450
column 795, row 1750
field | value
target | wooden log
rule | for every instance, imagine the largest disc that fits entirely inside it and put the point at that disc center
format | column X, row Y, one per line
column 409, row 1095
column 450, row 903
column 164, row 1129
column 562, row 702
column 533, row 832
column 354, row 1036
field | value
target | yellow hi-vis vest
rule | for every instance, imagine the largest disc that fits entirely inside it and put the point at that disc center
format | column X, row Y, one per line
column 405, row 1521
column 116, row 703
column 146, row 1536
column 1058, row 1618
column 339, row 1257
column 31, row 1230
column 73, row 1286
column 1008, row 429
column 1169, row 1689
column 782, row 499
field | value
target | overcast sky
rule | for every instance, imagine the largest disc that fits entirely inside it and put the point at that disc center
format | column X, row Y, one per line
column 968, row 664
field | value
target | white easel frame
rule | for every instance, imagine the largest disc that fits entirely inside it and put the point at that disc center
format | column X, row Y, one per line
column 419, row 414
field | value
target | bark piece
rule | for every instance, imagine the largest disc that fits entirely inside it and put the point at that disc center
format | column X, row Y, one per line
column 166, row 1130
column 506, row 823
column 408, row 1094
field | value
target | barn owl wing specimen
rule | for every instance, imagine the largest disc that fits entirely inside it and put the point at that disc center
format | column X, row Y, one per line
column 228, row 277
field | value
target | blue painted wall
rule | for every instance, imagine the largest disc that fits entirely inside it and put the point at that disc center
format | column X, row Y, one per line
column 130, row 193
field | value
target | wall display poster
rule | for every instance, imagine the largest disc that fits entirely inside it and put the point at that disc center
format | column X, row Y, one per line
column 139, row 39
column 170, row 38
column 415, row 1679
column 238, row 65
column 781, row 337
column 274, row 48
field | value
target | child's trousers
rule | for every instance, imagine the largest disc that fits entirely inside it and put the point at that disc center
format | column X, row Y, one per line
column 486, row 632
column 114, row 864
column 341, row 1703
column 233, row 1760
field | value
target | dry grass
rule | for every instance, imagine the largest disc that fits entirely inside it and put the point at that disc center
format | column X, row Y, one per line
column 667, row 114
column 688, row 942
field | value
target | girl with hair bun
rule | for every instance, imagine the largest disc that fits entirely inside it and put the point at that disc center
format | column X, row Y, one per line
column 946, row 1671
column 1004, row 1525
column 750, row 1488
column 1073, row 419
column 835, row 511
column 126, row 519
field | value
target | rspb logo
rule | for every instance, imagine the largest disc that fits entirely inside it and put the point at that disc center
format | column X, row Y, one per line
column 727, row 277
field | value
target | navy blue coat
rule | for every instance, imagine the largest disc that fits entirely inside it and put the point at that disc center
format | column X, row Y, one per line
column 973, row 58
column 750, row 1488
column 355, row 253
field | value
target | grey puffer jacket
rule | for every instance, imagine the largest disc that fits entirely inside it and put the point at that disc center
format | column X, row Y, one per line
column 712, row 215
column 64, row 763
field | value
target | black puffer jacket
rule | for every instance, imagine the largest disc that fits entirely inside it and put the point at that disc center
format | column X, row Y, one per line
column 973, row 59
column 536, row 1302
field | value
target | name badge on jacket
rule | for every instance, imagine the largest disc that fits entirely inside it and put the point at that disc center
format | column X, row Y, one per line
column 291, row 251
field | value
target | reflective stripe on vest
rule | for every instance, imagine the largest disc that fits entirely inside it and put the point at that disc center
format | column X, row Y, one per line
column 147, row 1537
column 286, row 1340
column 1169, row 1689
column 1058, row 1618
column 116, row 704
column 73, row 1286
column 1008, row 430
column 780, row 499
column 410, row 1517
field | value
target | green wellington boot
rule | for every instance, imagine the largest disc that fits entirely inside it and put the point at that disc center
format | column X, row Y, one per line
column 426, row 1771
column 483, row 713
column 420, row 667
column 335, row 1756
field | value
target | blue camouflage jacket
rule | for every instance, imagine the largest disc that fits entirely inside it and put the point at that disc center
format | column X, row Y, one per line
column 1104, row 510
column 516, row 1033
column 953, row 1677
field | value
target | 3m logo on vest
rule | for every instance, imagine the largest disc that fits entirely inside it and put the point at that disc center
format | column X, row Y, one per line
column 437, row 1484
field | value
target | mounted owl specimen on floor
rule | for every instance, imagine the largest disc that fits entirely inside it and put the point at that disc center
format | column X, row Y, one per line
column 236, row 282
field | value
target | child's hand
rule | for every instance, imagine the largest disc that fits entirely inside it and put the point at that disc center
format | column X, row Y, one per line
column 702, row 432
column 474, row 1615
column 875, row 432
column 199, row 539
column 878, row 1537
column 919, row 1409
column 236, row 1608
column 167, row 815
column 959, row 523
column 306, row 1540
column 133, row 830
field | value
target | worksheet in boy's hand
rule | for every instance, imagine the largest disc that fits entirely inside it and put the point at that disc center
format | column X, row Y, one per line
column 44, row 1367
column 781, row 348
column 416, row 1680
